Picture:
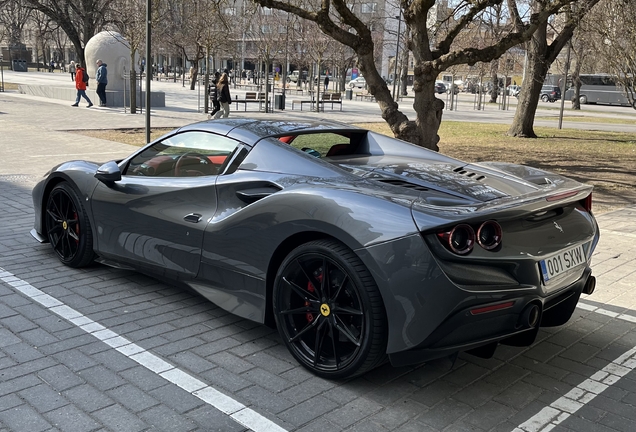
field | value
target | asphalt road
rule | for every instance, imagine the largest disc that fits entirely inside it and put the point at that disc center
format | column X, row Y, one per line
column 106, row 349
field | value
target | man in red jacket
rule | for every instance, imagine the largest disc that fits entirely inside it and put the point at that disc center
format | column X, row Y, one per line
column 81, row 81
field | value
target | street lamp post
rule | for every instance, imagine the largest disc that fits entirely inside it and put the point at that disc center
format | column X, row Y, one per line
column 397, row 51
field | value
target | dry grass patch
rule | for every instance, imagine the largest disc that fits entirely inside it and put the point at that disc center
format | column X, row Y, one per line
column 135, row 137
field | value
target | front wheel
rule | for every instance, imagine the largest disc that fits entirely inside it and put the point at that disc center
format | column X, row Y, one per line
column 583, row 99
column 68, row 227
column 329, row 311
column 545, row 98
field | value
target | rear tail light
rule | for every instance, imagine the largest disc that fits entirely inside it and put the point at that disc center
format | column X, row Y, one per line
column 489, row 235
column 459, row 240
column 587, row 203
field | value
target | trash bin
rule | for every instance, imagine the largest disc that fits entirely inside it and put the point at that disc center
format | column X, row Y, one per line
column 349, row 94
column 19, row 65
column 279, row 102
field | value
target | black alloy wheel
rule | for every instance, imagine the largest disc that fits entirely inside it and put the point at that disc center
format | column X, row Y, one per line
column 329, row 311
column 68, row 227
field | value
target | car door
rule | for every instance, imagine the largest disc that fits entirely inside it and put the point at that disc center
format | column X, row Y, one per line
column 155, row 216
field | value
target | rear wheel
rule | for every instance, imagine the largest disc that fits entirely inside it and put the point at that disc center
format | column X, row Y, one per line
column 329, row 311
column 582, row 99
column 68, row 227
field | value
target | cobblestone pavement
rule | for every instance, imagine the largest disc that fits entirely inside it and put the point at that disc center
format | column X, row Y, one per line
column 106, row 349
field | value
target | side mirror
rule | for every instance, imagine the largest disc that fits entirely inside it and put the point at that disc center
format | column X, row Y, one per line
column 109, row 172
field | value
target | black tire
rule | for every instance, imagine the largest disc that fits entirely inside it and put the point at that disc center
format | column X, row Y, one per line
column 545, row 98
column 582, row 99
column 340, row 329
column 68, row 228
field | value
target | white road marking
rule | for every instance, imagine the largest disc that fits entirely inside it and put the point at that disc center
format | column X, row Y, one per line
column 562, row 408
column 591, row 308
column 237, row 411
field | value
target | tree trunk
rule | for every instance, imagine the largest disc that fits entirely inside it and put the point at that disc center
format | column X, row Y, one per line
column 576, row 85
column 523, row 122
column 404, row 68
column 494, row 81
column 195, row 74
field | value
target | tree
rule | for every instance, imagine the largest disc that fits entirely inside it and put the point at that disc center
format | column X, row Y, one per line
column 80, row 19
column 339, row 22
column 130, row 20
column 616, row 42
column 13, row 17
column 541, row 55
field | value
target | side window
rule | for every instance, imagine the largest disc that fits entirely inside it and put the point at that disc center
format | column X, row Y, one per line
column 186, row 154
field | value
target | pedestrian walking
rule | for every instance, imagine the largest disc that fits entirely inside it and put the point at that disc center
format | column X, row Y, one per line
column 223, row 89
column 214, row 94
column 71, row 69
column 81, row 82
column 102, row 79
column 326, row 82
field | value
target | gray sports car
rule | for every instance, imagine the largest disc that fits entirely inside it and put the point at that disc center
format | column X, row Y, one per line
column 357, row 246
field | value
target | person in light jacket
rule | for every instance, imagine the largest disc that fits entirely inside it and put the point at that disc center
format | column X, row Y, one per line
column 223, row 91
column 71, row 69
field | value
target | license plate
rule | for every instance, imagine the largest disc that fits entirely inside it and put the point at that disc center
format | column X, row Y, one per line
column 562, row 262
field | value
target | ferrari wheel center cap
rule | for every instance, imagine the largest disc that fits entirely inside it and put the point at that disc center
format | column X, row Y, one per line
column 324, row 309
column 64, row 225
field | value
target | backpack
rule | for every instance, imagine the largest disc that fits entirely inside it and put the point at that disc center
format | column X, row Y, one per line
column 85, row 77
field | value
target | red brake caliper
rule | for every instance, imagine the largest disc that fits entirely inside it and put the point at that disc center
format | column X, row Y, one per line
column 311, row 289
column 77, row 229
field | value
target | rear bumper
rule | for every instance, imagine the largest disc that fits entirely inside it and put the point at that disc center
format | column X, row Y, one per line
column 466, row 330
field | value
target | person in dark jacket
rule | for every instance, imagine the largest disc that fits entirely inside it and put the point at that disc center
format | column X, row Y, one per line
column 223, row 89
column 214, row 95
column 102, row 79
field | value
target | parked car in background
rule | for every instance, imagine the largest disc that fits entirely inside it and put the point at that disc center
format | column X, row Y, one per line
column 295, row 75
column 513, row 90
column 550, row 93
column 440, row 87
column 359, row 82
column 455, row 88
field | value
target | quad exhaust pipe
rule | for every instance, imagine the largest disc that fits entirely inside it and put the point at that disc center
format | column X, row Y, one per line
column 590, row 285
column 530, row 316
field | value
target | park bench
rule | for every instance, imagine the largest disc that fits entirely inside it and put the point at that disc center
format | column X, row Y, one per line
column 365, row 95
column 250, row 97
column 301, row 102
column 325, row 98
column 332, row 98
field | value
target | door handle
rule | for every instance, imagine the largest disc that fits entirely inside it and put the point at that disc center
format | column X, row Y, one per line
column 192, row 217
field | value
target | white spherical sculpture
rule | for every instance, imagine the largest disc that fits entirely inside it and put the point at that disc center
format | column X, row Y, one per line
column 111, row 48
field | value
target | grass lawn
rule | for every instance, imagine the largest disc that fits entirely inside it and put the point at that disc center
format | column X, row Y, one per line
column 606, row 160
